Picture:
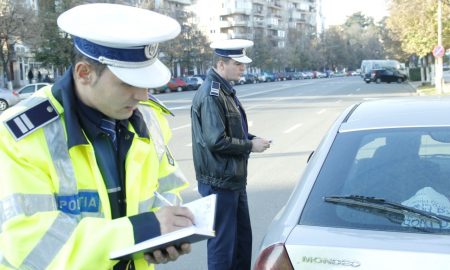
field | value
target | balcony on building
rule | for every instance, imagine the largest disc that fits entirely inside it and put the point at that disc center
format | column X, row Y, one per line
column 272, row 22
column 262, row 2
column 275, row 4
column 224, row 24
column 241, row 23
column 184, row 2
column 258, row 10
column 236, row 10
column 258, row 23
column 241, row 35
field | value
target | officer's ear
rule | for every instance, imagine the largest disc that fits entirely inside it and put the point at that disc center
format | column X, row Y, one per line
column 83, row 73
column 220, row 65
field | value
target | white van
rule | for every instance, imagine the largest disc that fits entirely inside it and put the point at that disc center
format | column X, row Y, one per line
column 368, row 65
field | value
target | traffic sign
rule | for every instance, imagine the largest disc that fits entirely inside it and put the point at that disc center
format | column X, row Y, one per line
column 438, row 51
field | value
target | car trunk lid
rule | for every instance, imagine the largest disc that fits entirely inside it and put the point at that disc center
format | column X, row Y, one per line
column 333, row 248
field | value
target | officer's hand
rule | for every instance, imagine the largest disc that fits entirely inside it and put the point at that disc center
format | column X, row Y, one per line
column 172, row 218
column 260, row 145
column 169, row 254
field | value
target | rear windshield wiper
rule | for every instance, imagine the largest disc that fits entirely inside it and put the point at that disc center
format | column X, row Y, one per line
column 384, row 205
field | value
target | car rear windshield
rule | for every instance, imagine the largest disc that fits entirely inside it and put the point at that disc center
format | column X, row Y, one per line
column 408, row 166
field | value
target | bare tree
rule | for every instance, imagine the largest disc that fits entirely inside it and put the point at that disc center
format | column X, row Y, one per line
column 17, row 24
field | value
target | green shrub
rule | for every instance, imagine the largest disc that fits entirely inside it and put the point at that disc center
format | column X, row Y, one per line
column 414, row 74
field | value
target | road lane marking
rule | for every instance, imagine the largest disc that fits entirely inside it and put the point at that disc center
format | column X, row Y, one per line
column 251, row 107
column 181, row 127
column 294, row 127
column 250, row 123
column 179, row 108
column 321, row 111
column 272, row 90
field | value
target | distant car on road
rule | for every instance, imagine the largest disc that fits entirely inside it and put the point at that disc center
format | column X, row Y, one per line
column 307, row 75
column 177, row 84
column 244, row 79
column 241, row 81
column 386, row 75
column 8, row 98
column 266, row 77
column 193, row 83
column 250, row 78
column 158, row 90
column 374, row 195
column 29, row 89
column 201, row 76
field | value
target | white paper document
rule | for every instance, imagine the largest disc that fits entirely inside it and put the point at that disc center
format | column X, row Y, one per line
column 204, row 210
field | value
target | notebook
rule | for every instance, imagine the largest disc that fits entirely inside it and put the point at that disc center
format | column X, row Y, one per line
column 204, row 210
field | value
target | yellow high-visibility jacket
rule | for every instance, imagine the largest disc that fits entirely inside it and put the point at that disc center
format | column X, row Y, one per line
column 54, row 206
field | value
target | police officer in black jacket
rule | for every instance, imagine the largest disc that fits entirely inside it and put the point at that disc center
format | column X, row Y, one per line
column 221, row 148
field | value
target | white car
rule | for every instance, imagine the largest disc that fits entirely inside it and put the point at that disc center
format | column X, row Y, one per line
column 374, row 196
column 29, row 89
column 8, row 98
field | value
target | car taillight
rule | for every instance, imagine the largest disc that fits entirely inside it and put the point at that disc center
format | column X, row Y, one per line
column 15, row 93
column 274, row 257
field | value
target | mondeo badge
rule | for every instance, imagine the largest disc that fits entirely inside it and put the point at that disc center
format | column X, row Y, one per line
column 330, row 261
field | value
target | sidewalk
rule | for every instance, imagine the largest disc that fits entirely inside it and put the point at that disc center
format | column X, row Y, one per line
column 446, row 88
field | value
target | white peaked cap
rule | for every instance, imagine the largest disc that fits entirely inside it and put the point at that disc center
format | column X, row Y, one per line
column 233, row 48
column 124, row 38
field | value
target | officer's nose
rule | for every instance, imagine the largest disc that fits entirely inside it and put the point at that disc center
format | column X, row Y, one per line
column 141, row 94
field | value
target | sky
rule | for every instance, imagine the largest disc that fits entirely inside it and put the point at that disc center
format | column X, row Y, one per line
column 336, row 11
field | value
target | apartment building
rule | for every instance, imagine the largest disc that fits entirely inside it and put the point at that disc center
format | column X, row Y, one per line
column 172, row 5
column 251, row 19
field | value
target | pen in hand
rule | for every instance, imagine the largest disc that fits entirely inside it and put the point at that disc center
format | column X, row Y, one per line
column 161, row 197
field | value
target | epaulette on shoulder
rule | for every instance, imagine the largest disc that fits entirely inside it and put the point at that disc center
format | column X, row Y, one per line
column 37, row 115
column 153, row 100
column 215, row 89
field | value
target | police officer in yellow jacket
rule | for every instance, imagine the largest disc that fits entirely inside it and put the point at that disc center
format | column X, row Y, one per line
column 80, row 160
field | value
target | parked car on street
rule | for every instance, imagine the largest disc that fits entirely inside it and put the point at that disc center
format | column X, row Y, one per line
column 177, row 84
column 374, row 195
column 193, row 83
column 158, row 90
column 386, row 75
column 266, row 77
column 319, row 75
column 29, row 89
column 8, row 98
column 280, row 76
column 297, row 76
column 241, row 81
column 201, row 76
column 250, row 78
column 244, row 79
column 307, row 75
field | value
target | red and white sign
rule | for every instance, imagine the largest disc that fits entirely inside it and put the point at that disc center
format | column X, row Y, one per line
column 438, row 51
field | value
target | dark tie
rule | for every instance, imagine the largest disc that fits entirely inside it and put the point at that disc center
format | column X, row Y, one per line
column 109, row 126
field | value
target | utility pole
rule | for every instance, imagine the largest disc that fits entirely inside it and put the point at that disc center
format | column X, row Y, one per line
column 438, row 65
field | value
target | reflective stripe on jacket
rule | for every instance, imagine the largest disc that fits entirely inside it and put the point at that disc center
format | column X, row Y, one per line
column 54, row 206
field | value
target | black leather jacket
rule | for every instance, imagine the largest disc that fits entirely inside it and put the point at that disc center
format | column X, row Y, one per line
column 220, row 144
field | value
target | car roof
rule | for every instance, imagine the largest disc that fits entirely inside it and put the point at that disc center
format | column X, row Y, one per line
column 398, row 113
